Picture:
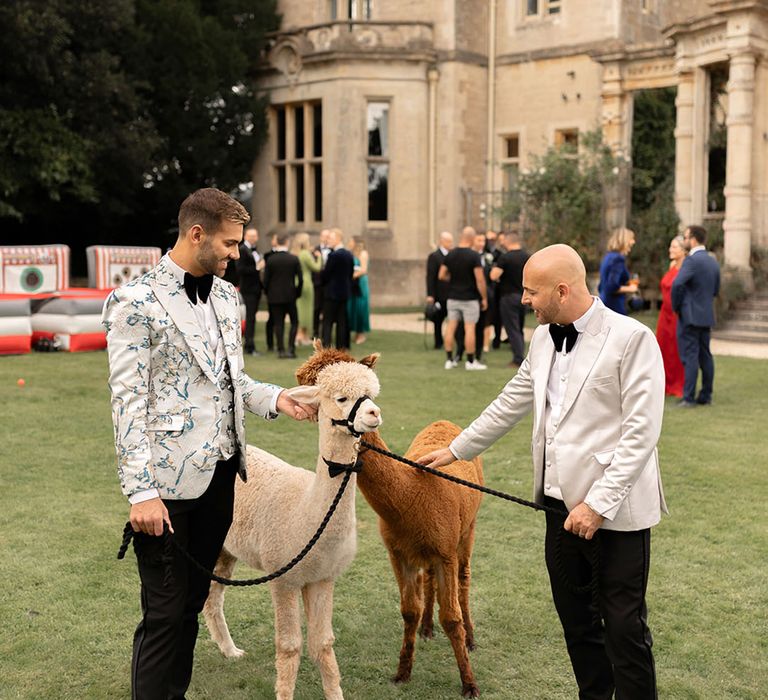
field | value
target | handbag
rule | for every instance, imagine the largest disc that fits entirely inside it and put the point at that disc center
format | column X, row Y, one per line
column 432, row 311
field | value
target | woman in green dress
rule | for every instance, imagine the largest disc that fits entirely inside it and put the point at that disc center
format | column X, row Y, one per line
column 358, row 312
column 305, row 304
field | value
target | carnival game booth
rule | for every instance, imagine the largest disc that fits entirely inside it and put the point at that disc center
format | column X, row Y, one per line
column 111, row 266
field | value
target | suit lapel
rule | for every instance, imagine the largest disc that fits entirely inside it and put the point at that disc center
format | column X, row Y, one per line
column 541, row 377
column 171, row 295
column 224, row 300
column 587, row 352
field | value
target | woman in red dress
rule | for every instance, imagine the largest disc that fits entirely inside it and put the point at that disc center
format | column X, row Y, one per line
column 666, row 329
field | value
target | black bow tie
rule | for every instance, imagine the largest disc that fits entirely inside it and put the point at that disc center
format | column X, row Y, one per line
column 561, row 333
column 336, row 468
column 198, row 287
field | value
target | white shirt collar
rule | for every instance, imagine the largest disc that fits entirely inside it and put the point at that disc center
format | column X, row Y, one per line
column 176, row 269
column 280, row 249
column 444, row 251
column 581, row 323
column 696, row 249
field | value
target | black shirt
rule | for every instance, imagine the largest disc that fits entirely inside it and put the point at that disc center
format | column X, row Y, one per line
column 512, row 262
column 461, row 263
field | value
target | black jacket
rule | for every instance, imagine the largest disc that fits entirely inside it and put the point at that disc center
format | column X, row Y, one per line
column 282, row 278
column 337, row 275
column 250, row 282
column 435, row 288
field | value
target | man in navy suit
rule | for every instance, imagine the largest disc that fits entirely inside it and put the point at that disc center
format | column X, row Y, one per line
column 693, row 293
column 337, row 288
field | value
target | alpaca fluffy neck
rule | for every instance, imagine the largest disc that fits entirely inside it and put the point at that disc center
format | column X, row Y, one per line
column 383, row 481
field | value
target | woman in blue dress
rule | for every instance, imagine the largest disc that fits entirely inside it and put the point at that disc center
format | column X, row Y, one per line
column 358, row 312
column 615, row 283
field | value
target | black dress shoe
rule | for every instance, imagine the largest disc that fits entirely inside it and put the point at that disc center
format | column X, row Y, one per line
column 682, row 403
column 704, row 402
column 282, row 355
column 291, row 354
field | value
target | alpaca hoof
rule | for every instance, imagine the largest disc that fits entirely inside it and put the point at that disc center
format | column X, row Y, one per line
column 401, row 677
column 233, row 652
column 427, row 633
column 470, row 690
column 470, row 644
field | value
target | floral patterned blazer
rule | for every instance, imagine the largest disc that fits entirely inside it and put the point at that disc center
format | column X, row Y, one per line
column 165, row 385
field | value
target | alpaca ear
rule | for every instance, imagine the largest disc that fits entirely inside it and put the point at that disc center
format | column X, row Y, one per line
column 370, row 360
column 309, row 395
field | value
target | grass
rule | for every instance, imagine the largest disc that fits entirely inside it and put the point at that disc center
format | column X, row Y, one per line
column 69, row 607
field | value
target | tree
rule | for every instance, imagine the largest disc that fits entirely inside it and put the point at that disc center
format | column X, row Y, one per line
column 563, row 196
column 110, row 113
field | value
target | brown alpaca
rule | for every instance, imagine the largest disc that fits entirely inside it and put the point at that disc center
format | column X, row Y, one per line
column 428, row 527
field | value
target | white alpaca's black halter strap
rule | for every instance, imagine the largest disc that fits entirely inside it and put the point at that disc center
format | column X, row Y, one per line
column 349, row 421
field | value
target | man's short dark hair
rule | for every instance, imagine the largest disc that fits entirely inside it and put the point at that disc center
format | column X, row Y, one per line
column 699, row 233
column 209, row 207
column 282, row 238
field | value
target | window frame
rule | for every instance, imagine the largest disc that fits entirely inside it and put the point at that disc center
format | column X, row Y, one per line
column 385, row 159
column 289, row 211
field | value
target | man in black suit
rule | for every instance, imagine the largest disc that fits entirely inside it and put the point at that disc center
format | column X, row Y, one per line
column 337, row 288
column 437, row 290
column 507, row 272
column 693, row 293
column 248, row 266
column 283, row 282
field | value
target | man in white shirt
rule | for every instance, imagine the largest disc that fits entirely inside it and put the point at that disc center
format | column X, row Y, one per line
column 178, row 398
column 594, row 381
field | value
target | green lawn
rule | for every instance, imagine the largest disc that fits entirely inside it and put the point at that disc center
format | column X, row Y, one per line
column 69, row 607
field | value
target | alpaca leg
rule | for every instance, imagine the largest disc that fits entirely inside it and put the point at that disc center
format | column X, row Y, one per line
column 465, row 579
column 318, row 605
column 213, row 611
column 408, row 580
column 427, row 617
column 450, row 618
column 287, row 639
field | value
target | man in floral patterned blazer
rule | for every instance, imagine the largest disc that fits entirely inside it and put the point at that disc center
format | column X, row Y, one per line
column 178, row 398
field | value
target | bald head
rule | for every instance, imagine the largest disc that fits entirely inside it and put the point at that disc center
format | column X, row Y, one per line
column 468, row 234
column 446, row 240
column 555, row 285
column 560, row 263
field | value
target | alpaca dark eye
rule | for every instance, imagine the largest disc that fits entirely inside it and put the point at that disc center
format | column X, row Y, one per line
column 341, row 399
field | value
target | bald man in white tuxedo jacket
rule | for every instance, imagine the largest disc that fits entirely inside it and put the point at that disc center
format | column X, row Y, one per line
column 594, row 381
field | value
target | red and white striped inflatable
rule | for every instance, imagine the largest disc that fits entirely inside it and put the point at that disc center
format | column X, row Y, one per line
column 110, row 266
column 33, row 269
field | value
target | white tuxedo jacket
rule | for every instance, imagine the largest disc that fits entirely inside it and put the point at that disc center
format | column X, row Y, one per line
column 605, row 439
column 165, row 397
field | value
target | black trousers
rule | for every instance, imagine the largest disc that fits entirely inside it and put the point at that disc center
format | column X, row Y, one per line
column 335, row 312
column 513, row 318
column 278, row 312
column 251, row 307
column 614, row 655
column 164, row 641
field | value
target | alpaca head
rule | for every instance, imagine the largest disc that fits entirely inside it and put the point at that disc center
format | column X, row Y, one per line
column 339, row 386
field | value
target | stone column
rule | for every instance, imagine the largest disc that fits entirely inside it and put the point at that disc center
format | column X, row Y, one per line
column 616, row 126
column 738, row 172
column 684, row 146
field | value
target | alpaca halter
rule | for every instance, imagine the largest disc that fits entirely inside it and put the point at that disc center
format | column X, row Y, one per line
column 349, row 421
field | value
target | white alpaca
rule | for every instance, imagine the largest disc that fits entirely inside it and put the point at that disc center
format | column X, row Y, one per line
column 276, row 513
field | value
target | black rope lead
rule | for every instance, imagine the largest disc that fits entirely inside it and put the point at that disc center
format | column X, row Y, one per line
column 171, row 543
